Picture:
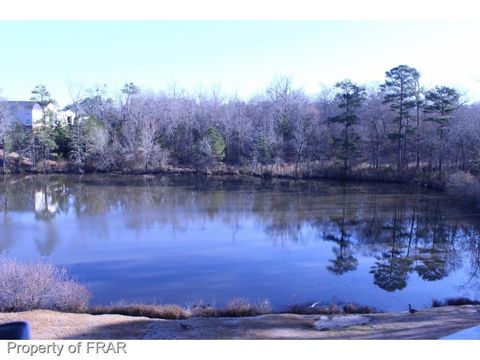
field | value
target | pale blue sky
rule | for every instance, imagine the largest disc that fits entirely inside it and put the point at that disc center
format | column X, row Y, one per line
column 241, row 56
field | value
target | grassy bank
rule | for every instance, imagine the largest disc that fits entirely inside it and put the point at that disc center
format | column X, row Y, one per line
column 241, row 307
column 236, row 307
column 431, row 323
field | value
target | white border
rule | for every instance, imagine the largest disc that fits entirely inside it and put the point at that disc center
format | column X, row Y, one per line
column 259, row 10
column 240, row 10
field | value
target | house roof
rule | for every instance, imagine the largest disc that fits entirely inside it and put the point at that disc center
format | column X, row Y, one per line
column 20, row 111
column 16, row 105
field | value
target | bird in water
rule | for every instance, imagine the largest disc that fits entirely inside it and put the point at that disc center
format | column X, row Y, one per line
column 411, row 310
column 185, row 326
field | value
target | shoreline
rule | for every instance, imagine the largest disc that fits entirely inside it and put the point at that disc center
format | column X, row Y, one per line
column 327, row 170
column 460, row 188
column 432, row 323
column 412, row 175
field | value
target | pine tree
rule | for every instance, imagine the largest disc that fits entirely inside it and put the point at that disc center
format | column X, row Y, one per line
column 400, row 88
column 44, row 138
column 217, row 144
column 42, row 96
column 440, row 104
column 349, row 98
column 81, row 133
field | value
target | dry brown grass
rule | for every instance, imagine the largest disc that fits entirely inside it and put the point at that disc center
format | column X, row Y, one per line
column 168, row 311
column 330, row 309
column 460, row 301
column 426, row 324
column 353, row 308
column 237, row 307
column 203, row 311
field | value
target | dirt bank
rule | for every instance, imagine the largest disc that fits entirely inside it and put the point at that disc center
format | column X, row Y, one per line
column 426, row 324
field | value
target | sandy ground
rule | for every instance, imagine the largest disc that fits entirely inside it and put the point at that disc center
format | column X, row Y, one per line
column 426, row 324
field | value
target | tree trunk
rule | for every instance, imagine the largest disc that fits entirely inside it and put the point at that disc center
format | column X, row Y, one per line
column 146, row 162
column 347, row 149
column 4, row 157
column 399, row 147
column 404, row 145
column 417, row 147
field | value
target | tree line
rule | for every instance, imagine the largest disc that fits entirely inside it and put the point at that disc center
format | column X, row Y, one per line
column 399, row 127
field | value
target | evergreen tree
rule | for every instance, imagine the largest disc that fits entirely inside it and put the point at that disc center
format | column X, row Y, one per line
column 400, row 88
column 42, row 96
column 349, row 98
column 264, row 151
column 440, row 104
column 43, row 135
column 62, row 136
column 44, row 139
column 419, row 106
column 217, row 144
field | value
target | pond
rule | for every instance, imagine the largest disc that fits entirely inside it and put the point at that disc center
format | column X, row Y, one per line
column 185, row 239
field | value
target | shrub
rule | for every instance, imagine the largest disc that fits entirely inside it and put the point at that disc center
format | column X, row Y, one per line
column 39, row 286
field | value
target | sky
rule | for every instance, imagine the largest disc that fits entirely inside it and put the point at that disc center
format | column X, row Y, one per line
column 238, row 57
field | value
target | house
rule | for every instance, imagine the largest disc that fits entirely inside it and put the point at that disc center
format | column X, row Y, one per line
column 65, row 117
column 27, row 113
column 31, row 115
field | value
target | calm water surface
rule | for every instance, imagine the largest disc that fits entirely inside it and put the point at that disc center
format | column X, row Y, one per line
column 184, row 239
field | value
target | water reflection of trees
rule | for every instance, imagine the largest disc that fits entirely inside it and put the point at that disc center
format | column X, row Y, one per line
column 404, row 231
column 393, row 265
column 423, row 239
column 340, row 229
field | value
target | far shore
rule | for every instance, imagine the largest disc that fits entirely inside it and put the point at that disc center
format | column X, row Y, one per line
column 305, row 171
column 433, row 323
column 459, row 186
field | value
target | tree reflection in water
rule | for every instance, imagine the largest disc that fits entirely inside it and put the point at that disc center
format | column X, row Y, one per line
column 407, row 231
column 341, row 233
column 392, row 267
